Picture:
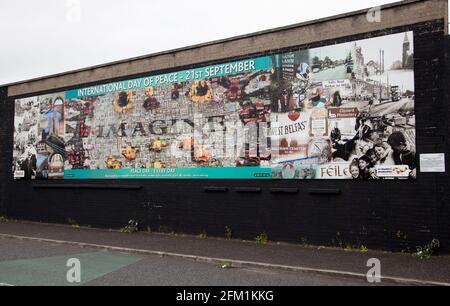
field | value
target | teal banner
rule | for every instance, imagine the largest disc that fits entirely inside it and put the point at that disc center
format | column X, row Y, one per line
column 234, row 68
column 179, row 173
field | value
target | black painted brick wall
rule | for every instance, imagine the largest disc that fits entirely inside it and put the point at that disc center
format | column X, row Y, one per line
column 369, row 213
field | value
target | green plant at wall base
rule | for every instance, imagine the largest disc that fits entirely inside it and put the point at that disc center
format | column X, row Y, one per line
column 262, row 239
column 404, row 243
column 338, row 241
column 73, row 223
column 132, row 227
column 363, row 249
column 425, row 252
column 166, row 231
column 304, row 242
column 203, row 235
column 349, row 247
column 3, row 219
column 228, row 233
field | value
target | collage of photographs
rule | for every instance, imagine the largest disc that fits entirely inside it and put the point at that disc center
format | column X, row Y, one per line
column 344, row 111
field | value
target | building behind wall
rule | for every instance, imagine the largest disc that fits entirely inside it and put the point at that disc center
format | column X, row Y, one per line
column 386, row 214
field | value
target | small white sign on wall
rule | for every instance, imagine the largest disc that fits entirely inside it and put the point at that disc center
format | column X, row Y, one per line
column 432, row 163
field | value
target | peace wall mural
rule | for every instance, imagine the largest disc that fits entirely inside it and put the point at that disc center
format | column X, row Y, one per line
column 344, row 111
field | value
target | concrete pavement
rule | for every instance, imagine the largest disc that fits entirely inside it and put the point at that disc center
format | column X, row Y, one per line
column 287, row 257
column 33, row 263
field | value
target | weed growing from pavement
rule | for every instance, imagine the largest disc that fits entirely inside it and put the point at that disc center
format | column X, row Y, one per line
column 363, row 249
column 422, row 252
column 227, row 265
column 340, row 243
column 132, row 227
column 203, row 235
column 428, row 250
column 228, row 233
column 166, row 231
column 262, row 239
column 3, row 219
column 404, row 243
column 348, row 247
column 304, row 242
column 73, row 223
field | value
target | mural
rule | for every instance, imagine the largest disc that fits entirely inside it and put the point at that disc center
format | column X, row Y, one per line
column 344, row 111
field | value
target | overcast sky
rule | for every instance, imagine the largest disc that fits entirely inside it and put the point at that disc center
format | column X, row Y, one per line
column 52, row 36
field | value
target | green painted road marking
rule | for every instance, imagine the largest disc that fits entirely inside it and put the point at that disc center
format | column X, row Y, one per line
column 52, row 271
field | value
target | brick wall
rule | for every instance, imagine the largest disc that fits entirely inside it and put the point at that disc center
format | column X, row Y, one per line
column 6, row 122
column 444, row 212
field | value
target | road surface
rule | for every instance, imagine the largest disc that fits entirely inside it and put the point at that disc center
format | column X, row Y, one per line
column 337, row 73
column 31, row 263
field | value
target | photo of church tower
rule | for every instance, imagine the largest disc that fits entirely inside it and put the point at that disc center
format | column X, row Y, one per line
column 408, row 56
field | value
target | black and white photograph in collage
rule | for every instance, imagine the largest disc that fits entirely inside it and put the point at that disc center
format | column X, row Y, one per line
column 39, row 149
column 346, row 111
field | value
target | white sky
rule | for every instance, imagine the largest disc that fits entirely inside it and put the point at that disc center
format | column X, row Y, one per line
column 46, row 37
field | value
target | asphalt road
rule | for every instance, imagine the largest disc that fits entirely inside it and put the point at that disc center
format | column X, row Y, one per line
column 29, row 263
column 337, row 73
